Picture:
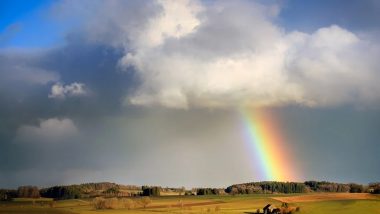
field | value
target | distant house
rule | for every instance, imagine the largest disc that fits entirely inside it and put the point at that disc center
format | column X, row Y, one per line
column 267, row 210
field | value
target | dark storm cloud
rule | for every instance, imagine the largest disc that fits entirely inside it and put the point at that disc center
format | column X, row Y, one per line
column 26, row 80
column 96, row 66
column 89, row 63
column 28, row 149
column 113, row 141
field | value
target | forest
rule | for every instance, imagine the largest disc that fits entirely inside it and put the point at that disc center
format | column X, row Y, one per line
column 107, row 189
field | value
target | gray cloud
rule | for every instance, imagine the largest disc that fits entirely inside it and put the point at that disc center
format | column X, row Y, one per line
column 31, row 146
column 205, row 54
column 19, row 68
column 106, row 21
column 51, row 130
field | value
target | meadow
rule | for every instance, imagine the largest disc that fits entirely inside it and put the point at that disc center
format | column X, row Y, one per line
column 312, row 203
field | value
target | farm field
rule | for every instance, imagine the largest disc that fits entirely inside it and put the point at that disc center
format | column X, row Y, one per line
column 308, row 203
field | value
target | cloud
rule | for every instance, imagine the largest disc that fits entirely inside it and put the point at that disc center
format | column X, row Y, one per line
column 234, row 54
column 221, row 54
column 16, row 67
column 33, row 75
column 334, row 66
column 49, row 130
column 58, row 90
column 111, row 22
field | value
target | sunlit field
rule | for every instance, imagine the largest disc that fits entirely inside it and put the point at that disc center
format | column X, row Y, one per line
column 323, row 203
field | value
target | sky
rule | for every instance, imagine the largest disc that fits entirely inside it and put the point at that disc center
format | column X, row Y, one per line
column 150, row 92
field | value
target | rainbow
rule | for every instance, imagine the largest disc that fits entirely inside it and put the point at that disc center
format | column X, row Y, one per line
column 269, row 150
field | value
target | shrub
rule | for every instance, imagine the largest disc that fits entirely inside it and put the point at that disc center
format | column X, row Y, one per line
column 112, row 203
column 52, row 204
column 287, row 210
column 128, row 203
column 356, row 188
column 145, row 201
column 99, row 203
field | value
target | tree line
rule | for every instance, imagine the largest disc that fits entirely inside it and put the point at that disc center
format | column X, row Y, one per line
column 209, row 191
column 266, row 187
column 298, row 187
column 62, row 192
column 107, row 189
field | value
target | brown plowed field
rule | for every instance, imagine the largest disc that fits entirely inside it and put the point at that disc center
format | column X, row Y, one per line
column 325, row 197
column 187, row 204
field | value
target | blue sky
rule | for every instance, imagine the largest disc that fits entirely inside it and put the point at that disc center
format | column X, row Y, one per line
column 147, row 92
column 310, row 15
column 26, row 24
column 32, row 24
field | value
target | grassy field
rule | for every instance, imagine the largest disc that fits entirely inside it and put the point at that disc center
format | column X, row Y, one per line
column 308, row 203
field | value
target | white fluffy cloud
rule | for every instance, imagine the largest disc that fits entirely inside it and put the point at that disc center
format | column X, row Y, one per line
column 234, row 54
column 227, row 53
column 49, row 130
column 58, row 90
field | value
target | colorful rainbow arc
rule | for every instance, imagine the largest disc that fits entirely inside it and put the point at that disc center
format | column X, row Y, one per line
column 265, row 140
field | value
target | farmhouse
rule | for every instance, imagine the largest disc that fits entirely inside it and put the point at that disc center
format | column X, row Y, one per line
column 267, row 210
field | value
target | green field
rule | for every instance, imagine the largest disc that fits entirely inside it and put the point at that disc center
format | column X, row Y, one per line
column 202, row 204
